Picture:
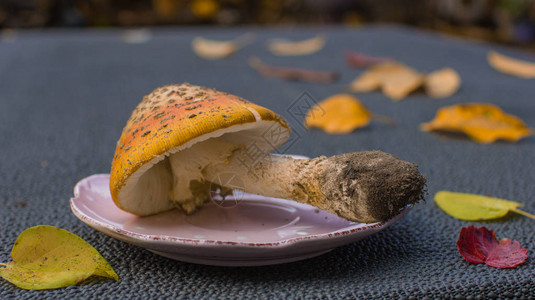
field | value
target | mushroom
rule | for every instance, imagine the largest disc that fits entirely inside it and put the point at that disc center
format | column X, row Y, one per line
column 184, row 141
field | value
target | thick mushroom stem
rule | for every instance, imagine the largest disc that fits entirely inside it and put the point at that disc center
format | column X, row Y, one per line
column 366, row 186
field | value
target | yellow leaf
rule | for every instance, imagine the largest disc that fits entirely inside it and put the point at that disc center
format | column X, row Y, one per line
column 338, row 114
column 511, row 66
column 471, row 207
column 395, row 79
column 442, row 83
column 204, row 9
column 212, row 49
column 304, row 47
column 47, row 257
column 482, row 122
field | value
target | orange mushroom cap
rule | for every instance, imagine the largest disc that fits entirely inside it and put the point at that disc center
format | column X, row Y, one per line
column 175, row 117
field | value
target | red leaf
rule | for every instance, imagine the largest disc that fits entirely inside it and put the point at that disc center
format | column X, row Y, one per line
column 479, row 245
column 360, row 60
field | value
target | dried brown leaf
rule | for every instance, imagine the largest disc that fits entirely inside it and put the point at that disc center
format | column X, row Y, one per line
column 288, row 73
column 212, row 49
column 360, row 60
column 511, row 66
column 395, row 79
column 285, row 47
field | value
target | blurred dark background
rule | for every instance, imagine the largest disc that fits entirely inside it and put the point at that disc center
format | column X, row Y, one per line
column 505, row 21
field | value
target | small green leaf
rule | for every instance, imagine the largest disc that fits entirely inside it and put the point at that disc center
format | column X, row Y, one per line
column 47, row 257
column 471, row 207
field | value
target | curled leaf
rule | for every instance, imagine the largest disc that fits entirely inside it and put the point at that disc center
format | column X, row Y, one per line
column 47, row 257
column 338, row 114
column 471, row 207
column 482, row 122
column 442, row 83
column 287, row 73
column 360, row 60
column 511, row 66
column 480, row 246
column 211, row 49
column 395, row 79
column 285, row 47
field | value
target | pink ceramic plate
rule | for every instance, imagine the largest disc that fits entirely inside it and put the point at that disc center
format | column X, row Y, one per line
column 253, row 231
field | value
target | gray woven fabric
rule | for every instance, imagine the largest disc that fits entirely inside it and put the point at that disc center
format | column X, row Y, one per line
column 65, row 96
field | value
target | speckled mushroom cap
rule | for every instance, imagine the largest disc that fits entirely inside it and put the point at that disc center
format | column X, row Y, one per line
column 175, row 117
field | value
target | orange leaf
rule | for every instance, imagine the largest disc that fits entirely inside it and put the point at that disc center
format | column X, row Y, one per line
column 482, row 122
column 338, row 114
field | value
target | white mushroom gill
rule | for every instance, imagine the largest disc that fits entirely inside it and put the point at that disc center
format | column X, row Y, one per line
column 189, row 188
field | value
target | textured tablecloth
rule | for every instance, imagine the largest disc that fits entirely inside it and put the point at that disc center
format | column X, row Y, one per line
column 66, row 95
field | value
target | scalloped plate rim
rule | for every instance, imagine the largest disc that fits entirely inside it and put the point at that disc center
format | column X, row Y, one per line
column 357, row 227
